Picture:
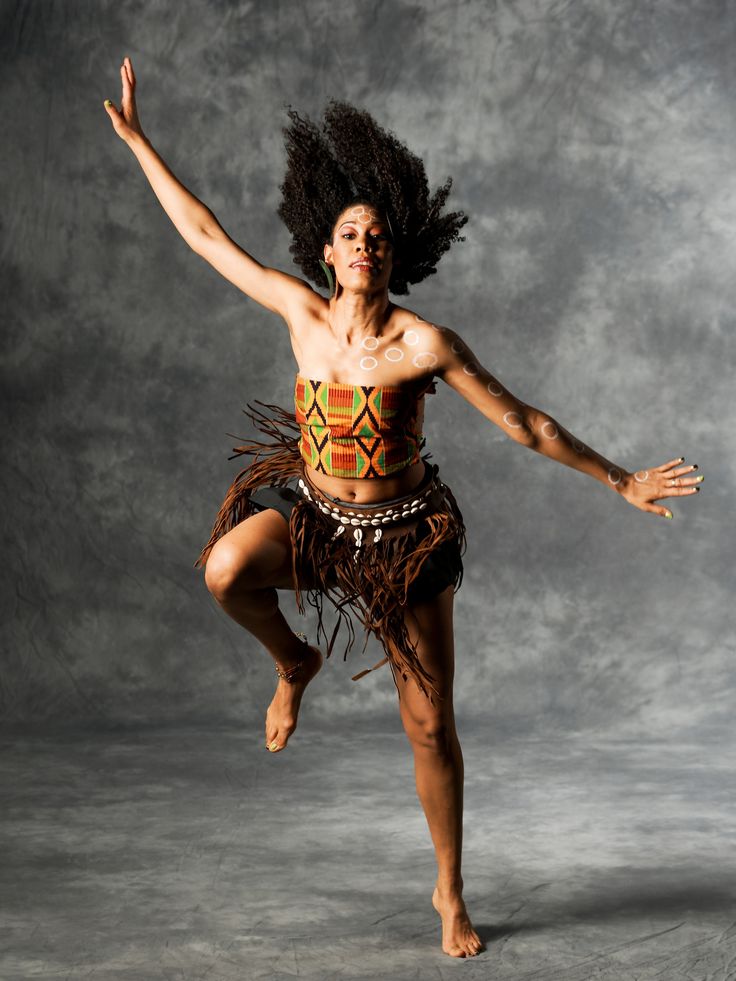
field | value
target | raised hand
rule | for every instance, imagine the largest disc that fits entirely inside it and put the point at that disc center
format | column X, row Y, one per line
column 125, row 121
column 668, row 480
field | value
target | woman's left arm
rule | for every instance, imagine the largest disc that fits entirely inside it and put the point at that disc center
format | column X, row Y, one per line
column 535, row 429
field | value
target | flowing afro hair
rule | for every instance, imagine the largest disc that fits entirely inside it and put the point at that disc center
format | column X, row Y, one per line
column 351, row 160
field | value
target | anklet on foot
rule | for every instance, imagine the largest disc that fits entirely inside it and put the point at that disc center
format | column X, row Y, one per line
column 291, row 673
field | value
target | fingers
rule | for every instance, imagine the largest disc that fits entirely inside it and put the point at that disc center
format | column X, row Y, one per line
column 128, row 79
column 659, row 509
column 125, row 78
column 684, row 485
column 668, row 466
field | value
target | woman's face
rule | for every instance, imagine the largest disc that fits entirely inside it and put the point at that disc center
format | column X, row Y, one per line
column 361, row 251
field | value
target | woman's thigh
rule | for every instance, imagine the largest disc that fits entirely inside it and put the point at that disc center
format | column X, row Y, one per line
column 430, row 626
column 255, row 554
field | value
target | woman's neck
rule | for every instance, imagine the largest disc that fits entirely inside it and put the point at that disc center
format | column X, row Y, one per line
column 354, row 316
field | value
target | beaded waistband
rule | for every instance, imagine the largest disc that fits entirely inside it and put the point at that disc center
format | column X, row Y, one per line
column 373, row 520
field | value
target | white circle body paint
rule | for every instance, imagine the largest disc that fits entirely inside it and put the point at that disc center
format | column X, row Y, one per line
column 578, row 446
column 471, row 368
column 494, row 389
column 457, row 346
column 549, row 429
column 511, row 420
column 361, row 214
column 368, row 363
column 369, row 343
column 438, row 328
column 614, row 475
column 425, row 359
column 393, row 354
column 641, row 476
column 411, row 337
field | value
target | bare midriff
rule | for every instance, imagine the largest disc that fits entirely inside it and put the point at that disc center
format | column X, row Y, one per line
column 369, row 490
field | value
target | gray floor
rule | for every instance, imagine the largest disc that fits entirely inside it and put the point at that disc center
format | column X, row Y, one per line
column 193, row 853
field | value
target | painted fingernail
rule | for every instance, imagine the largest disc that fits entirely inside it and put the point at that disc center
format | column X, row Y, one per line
column 108, row 102
column 701, row 477
column 668, row 514
column 681, row 459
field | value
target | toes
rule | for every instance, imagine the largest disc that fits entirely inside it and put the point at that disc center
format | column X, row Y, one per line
column 456, row 952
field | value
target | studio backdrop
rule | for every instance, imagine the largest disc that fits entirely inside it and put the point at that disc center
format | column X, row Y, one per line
column 591, row 144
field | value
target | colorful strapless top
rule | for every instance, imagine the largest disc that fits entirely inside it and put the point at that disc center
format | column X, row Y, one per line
column 358, row 430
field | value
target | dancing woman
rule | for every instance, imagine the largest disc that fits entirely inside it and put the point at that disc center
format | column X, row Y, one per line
column 338, row 502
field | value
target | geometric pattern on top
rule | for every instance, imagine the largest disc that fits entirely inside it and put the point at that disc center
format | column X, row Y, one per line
column 356, row 430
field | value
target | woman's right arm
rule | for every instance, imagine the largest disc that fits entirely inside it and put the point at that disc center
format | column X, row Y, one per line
column 200, row 229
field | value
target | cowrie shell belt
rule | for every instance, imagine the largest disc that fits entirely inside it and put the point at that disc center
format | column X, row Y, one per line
column 368, row 523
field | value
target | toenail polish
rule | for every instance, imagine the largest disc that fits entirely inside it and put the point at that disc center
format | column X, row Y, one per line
column 273, row 746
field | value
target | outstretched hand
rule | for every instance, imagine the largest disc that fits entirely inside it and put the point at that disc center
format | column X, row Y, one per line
column 668, row 480
column 125, row 120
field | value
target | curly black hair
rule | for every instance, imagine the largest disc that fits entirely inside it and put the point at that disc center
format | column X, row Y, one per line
column 352, row 160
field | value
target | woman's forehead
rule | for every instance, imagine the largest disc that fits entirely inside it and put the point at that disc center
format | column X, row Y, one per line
column 361, row 214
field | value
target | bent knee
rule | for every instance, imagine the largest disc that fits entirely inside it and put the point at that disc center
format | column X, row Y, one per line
column 228, row 571
column 432, row 734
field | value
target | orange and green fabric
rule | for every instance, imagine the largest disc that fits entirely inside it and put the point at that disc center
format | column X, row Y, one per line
column 356, row 430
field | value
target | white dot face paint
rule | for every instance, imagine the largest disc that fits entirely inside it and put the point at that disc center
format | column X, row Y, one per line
column 494, row 389
column 471, row 368
column 369, row 343
column 641, row 476
column 411, row 337
column 394, row 354
column 362, row 214
column 549, row 430
column 614, row 475
column 368, row 363
column 578, row 446
column 457, row 347
column 513, row 419
column 425, row 359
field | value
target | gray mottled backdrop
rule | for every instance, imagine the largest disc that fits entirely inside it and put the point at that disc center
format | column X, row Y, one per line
column 592, row 144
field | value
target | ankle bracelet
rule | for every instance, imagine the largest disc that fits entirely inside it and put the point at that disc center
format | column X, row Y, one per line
column 294, row 670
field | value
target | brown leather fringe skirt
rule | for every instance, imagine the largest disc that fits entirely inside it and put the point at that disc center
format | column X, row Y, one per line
column 370, row 561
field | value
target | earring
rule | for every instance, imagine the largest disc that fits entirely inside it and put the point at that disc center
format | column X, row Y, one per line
column 328, row 274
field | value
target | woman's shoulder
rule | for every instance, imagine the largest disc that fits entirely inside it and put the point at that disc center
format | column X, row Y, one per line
column 418, row 331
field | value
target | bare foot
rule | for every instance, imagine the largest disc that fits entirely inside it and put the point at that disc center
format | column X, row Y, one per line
column 282, row 713
column 459, row 939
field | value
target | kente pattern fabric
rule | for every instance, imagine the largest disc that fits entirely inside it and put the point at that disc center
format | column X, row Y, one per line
column 356, row 430
column 370, row 585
